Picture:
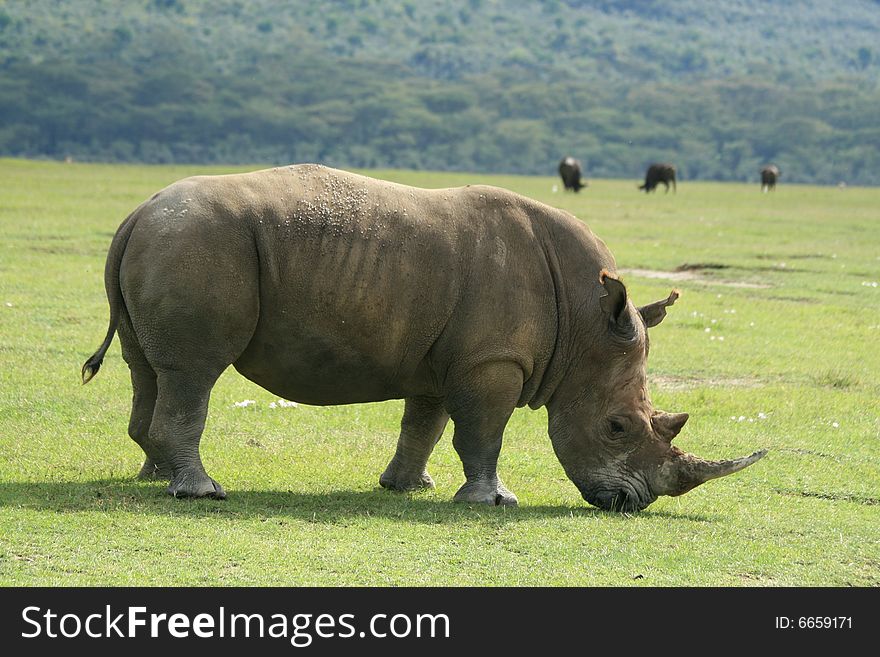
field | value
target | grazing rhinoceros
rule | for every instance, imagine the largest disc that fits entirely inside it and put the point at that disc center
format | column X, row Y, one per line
column 326, row 287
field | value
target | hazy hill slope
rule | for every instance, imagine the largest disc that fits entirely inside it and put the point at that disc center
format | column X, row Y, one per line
column 451, row 84
column 634, row 39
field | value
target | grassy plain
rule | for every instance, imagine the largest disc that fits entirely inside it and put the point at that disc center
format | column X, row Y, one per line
column 774, row 344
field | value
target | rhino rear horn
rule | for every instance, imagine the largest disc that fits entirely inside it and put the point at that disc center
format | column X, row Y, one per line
column 653, row 313
column 669, row 425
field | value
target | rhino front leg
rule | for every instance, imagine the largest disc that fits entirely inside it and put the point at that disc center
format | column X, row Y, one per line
column 480, row 412
column 176, row 430
column 424, row 419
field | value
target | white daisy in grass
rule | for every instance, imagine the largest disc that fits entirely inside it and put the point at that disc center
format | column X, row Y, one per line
column 283, row 403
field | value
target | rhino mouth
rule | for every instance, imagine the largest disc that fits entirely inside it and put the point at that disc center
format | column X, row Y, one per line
column 622, row 499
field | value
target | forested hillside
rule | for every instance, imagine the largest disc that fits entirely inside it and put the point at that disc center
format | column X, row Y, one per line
column 481, row 85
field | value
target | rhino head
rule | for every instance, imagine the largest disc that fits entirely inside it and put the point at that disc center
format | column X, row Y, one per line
column 613, row 444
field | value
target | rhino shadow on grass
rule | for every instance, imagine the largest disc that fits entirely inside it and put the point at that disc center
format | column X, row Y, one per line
column 122, row 495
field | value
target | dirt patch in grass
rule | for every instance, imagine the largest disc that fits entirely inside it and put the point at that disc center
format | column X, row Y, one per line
column 692, row 276
column 794, row 299
column 831, row 497
column 756, row 579
column 796, row 256
column 807, row 452
column 669, row 382
column 67, row 250
column 779, row 268
column 700, row 265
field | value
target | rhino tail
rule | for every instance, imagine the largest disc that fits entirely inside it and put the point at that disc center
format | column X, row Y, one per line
column 114, row 296
column 93, row 364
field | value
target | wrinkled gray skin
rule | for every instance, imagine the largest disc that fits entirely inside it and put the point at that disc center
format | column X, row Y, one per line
column 327, row 287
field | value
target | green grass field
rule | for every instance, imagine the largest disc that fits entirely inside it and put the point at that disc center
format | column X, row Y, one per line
column 774, row 344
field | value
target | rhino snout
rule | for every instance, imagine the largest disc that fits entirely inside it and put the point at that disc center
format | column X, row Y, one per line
column 625, row 499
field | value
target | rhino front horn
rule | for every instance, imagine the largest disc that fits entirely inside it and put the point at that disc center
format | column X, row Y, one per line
column 687, row 471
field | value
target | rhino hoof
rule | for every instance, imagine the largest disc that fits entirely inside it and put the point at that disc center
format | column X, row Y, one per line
column 481, row 493
column 151, row 472
column 508, row 499
column 397, row 482
column 188, row 484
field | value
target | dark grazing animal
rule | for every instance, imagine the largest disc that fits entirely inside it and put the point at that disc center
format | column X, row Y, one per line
column 769, row 176
column 327, row 287
column 659, row 173
column 570, row 171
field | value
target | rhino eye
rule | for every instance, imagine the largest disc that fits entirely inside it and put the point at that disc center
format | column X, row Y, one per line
column 616, row 427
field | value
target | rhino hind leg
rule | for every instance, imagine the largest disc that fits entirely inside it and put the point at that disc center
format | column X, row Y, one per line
column 424, row 419
column 176, row 430
column 188, row 317
column 480, row 411
column 143, row 403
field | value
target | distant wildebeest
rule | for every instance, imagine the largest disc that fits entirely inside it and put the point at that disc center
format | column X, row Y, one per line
column 769, row 176
column 659, row 173
column 570, row 171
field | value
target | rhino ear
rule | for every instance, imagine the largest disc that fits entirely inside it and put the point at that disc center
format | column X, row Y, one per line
column 653, row 313
column 613, row 301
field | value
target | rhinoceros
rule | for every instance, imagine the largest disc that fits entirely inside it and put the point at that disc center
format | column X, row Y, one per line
column 326, row 287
